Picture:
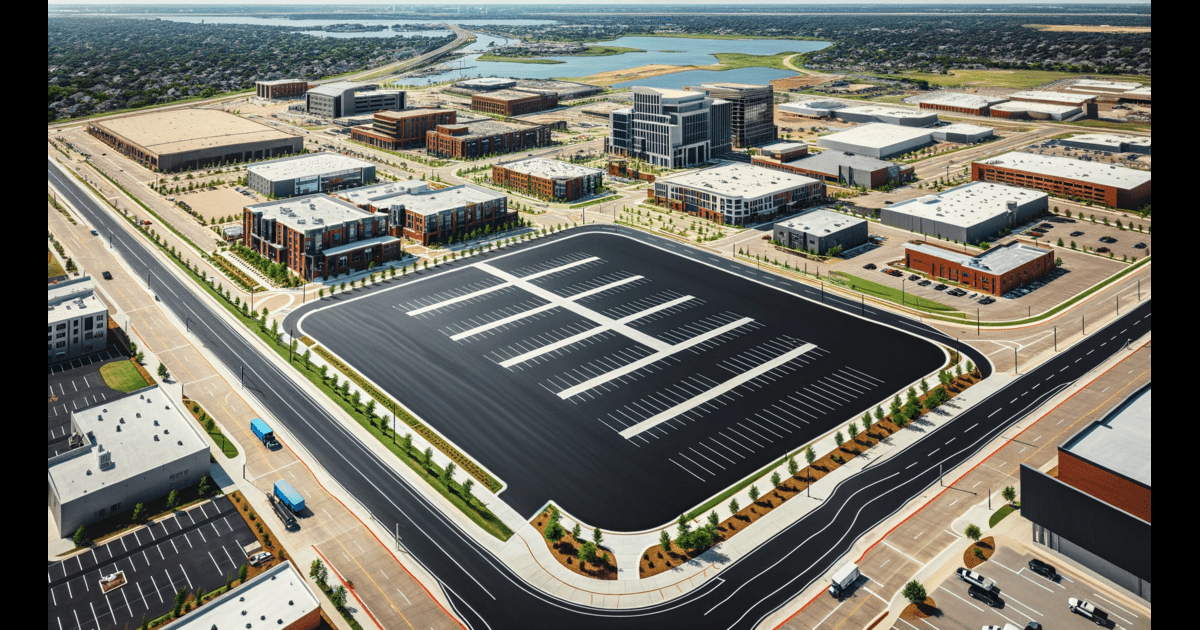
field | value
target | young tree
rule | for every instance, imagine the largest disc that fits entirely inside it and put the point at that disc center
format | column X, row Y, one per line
column 664, row 541
column 338, row 597
column 924, row 386
column 853, row 431
column 973, row 532
column 810, row 455
column 1009, row 493
column 577, row 533
column 714, row 521
column 895, row 407
column 427, row 456
column 793, row 467
column 734, row 507
column 306, row 358
column 970, row 368
column 914, row 592
column 555, row 531
column 173, row 500
column 318, row 572
column 80, row 538
column 355, row 398
column 775, row 479
column 838, row 439
column 465, row 489
column 958, row 370
column 867, row 423
column 449, row 473
column 179, row 599
column 370, row 410
column 204, row 487
column 754, row 493
column 587, row 552
column 162, row 371
column 406, row 442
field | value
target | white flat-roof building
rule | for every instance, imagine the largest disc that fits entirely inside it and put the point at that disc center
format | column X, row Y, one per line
column 310, row 173
column 1109, row 184
column 1056, row 98
column 277, row 598
column 1108, row 142
column 878, row 140
column 811, row 109
column 969, row 213
column 962, row 133
column 547, row 178
column 1035, row 111
column 819, row 230
column 961, row 103
column 375, row 196
column 1095, row 86
column 737, row 194
column 76, row 320
column 888, row 114
column 124, row 451
column 487, row 84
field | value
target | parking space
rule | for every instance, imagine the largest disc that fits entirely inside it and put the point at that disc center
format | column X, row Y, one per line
column 197, row 548
column 1097, row 236
column 72, row 385
column 1026, row 596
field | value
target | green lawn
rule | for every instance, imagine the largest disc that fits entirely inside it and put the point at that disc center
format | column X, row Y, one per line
column 123, row 376
column 734, row 61
column 1023, row 79
column 53, row 268
column 604, row 51
column 1000, row 514
column 894, row 295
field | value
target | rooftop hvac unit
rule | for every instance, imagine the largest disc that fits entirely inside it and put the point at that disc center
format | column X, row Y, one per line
column 105, row 460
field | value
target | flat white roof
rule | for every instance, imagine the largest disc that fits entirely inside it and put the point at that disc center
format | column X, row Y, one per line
column 1106, row 85
column 310, row 212
column 1068, row 168
column 740, row 180
column 1114, row 141
column 997, row 260
column 959, row 99
column 884, row 110
column 812, row 105
column 1045, row 95
column 784, row 147
column 275, row 598
column 550, row 169
column 670, row 93
column 488, row 81
column 962, row 128
column 307, row 165
column 429, row 202
column 281, row 81
column 821, row 222
column 967, row 205
column 364, row 195
column 877, row 135
column 71, row 300
column 141, row 432
column 1030, row 106
column 334, row 89
column 1120, row 442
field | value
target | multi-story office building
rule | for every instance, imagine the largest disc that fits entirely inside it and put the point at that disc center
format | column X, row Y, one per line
column 737, row 194
column 319, row 235
column 751, row 111
column 513, row 103
column 1109, row 184
column 671, row 128
column 402, row 130
column 339, row 100
column 281, row 88
column 76, row 320
column 437, row 216
column 549, row 179
column 821, row 230
column 310, row 173
column 477, row 138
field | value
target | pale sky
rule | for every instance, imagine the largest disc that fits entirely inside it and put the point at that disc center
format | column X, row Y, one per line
column 652, row 3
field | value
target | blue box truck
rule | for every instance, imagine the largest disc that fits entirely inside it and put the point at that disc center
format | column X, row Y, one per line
column 263, row 432
column 288, row 496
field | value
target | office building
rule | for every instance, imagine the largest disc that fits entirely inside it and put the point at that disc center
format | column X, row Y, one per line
column 374, row 198
column 961, row 133
column 821, row 230
column 402, row 130
column 512, row 103
column 479, row 138
column 841, row 168
column 309, row 173
column 969, row 213
column 1094, row 506
column 282, row 88
column 277, row 598
column 811, row 109
column 887, row 114
column 1108, row 184
column 318, row 235
column 190, row 139
column 784, row 151
column 737, row 194
column 549, row 179
column 76, row 320
column 1026, row 110
column 877, row 140
column 124, row 451
column 437, row 216
column 996, row 271
column 671, row 128
column 960, row 103
column 486, row 84
column 342, row 99
column 751, row 111
column 1110, row 143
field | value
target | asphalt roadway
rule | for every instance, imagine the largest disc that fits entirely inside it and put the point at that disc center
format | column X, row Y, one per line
column 765, row 375
column 486, row 594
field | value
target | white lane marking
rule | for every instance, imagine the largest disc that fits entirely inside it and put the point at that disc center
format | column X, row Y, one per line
column 474, row 294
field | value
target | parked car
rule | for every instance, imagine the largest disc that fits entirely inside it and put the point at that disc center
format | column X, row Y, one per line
column 987, row 300
column 956, row 292
column 1043, row 569
column 896, row 272
column 1139, row 246
column 975, row 579
column 925, row 283
column 986, row 596
column 95, row 233
column 914, row 277
column 1107, row 239
column 259, row 558
column 869, row 266
column 939, row 287
column 1088, row 610
column 888, row 202
column 107, row 275
column 1076, row 233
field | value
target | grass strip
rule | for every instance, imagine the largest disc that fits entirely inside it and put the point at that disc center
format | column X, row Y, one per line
column 594, row 202
column 214, row 430
column 892, row 294
column 999, row 515
column 123, row 376
column 238, row 276
column 53, row 268
column 739, row 486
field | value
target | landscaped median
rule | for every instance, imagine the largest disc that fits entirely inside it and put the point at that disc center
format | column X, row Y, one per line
column 210, row 426
column 572, row 549
column 876, row 427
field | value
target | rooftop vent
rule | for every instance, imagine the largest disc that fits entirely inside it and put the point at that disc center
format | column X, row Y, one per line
column 155, row 437
column 105, row 460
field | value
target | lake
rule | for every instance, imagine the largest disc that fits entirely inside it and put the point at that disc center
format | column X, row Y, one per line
column 232, row 19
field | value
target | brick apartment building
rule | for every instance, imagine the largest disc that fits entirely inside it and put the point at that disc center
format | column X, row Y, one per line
column 479, row 138
column 282, row 88
column 549, row 179
column 996, row 271
column 318, row 235
column 1108, row 184
column 403, row 129
column 437, row 216
column 512, row 102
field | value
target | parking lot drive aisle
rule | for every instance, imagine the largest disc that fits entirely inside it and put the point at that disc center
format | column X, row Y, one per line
column 73, row 385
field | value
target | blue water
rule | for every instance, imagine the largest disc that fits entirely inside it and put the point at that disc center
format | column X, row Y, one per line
column 692, row 52
column 752, row 76
column 233, row 19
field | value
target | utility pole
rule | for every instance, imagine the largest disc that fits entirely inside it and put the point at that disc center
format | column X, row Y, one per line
column 1056, row 338
column 1015, row 361
column 1118, row 305
column 1083, row 323
column 976, row 321
column 242, row 376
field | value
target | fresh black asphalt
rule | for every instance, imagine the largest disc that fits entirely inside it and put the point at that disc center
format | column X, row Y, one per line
column 484, row 593
column 72, row 385
column 545, row 448
column 194, row 549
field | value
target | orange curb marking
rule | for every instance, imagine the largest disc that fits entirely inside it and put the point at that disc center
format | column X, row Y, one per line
column 960, row 477
column 343, row 580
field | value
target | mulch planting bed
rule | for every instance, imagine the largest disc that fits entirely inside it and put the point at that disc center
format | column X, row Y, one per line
column 923, row 610
column 567, row 547
column 986, row 545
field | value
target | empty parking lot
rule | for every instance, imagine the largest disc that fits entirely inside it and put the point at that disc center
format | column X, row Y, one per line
column 616, row 378
column 188, row 550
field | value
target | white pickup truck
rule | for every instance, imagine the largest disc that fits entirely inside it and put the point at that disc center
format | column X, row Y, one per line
column 971, row 577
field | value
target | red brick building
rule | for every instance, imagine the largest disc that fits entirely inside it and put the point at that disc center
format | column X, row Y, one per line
column 403, row 129
column 479, row 138
column 548, row 179
column 283, row 88
column 512, row 102
column 1111, row 185
column 996, row 271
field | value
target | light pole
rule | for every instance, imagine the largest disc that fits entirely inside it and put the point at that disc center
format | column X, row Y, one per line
column 1015, row 361
column 1056, row 338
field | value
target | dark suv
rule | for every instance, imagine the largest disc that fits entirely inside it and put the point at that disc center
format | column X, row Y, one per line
column 1043, row 569
column 986, row 596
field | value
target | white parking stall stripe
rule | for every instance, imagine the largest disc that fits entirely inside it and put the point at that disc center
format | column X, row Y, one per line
column 214, row 561
column 845, row 382
column 834, row 394
column 743, row 436
column 749, row 430
column 685, row 468
column 705, row 457
column 684, row 455
column 718, row 453
column 864, row 374
column 809, row 398
column 729, row 449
